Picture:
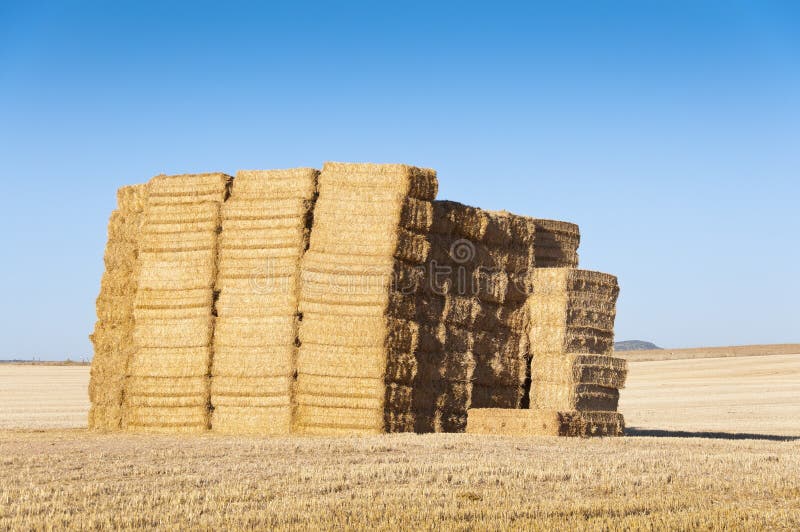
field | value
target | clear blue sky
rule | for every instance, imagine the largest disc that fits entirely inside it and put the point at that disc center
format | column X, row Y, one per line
column 670, row 131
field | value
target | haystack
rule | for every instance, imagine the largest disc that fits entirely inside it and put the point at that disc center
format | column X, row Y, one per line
column 534, row 422
column 556, row 244
column 265, row 226
column 361, row 279
column 572, row 337
column 167, row 389
column 402, row 314
column 113, row 333
column 480, row 261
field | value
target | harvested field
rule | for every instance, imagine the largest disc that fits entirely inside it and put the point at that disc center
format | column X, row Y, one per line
column 76, row 479
column 754, row 394
column 711, row 352
column 43, row 396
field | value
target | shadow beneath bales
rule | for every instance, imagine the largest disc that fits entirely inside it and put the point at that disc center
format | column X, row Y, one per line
column 658, row 433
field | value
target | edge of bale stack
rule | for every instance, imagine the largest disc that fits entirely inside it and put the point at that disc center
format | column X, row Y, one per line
column 112, row 338
column 572, row 339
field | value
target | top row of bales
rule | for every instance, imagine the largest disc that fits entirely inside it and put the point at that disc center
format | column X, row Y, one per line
column 344, row 302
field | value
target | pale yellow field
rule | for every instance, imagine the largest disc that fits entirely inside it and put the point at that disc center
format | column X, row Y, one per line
column 751, row 394
column 40, row 396
column 712, row 352
column 76, row 479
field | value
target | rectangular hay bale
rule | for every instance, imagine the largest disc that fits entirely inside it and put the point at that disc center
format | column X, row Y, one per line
column 533, row 422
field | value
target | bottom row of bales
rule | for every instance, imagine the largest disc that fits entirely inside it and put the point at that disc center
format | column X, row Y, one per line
column 294, row 301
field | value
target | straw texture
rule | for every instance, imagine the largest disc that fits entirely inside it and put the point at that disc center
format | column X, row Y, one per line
column 346, row 301
column 535, row 422
column 359, row 282
column 113, row 333
column 556, row 244
column 265, row 226
column 167, row 387
column 571, row 336
column 475, row 314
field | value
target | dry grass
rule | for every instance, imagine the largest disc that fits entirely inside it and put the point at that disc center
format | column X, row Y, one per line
column 60, row 479
column 74, row 479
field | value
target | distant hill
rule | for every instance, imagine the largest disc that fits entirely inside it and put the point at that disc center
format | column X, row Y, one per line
column 634, row 345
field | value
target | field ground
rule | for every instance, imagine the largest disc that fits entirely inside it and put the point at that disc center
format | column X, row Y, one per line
column 709, row 478
column 711, row 352
column 75, row 479
column 43, row 396
column 752, row 394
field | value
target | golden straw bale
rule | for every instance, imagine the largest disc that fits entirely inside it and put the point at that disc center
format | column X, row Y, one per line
column 556, row 244
column 254, row 304
column 323, row 420
column 173, row 332
column 322, row 388
column 170, row 362
column 408, row 181
column 187, row 189
column 172, row 419
column 573, row 396
column 275, row 184
column 166, row 386
column 174, row 299
column 276, row 386
column 240, row 361
column 260, row 284
column 572, row 311
column 254, row 420
column 534, row 422
column 602, row 370
column 256, row 331
column 239, row 211
column 131, row 198
column 105, row 417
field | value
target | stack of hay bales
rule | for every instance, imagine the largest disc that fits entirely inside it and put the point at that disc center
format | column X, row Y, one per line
column 556, row 244
column 574, row 379
column 113, row 333
column 167, row 388
column 265, row 229
column 402, row 314
column 361, row 283
column 572, row 339
column 477, row 348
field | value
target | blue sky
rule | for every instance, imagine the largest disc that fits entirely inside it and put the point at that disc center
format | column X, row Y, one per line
column 670, row 131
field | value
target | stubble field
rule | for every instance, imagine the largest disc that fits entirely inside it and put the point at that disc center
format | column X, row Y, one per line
column 736, row 464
